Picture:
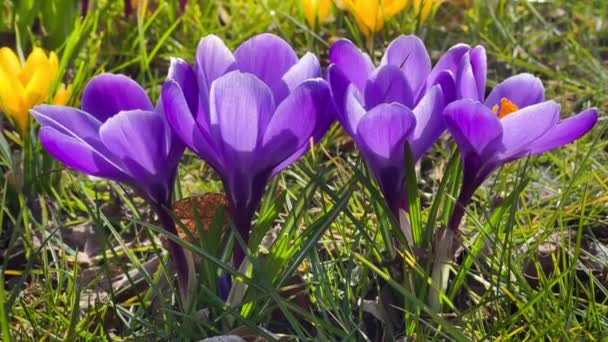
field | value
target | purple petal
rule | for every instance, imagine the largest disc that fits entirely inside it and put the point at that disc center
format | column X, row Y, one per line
column 182, row 122
column 138, row 139
column 523, row 90
column 382, row 133
column 349, row 109
column 268, row 57
column 429, row 121
column 307, row 68
column 213, row 59
column 449, row 61
column 480, row 69
column 295, row 121
column 241, row 106
column 79, row 155
column 387, row 85
column 446, row 81
column 409, row 54
column 466, row 83
column 355, row 65
column 183, row 74
column 522, row 128
column 566, row 131
column 107, row 94
column 381, row 137
column 474, row 126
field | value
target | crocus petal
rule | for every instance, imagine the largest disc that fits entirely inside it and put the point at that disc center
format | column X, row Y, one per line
column 181, row 72
column 308, row 67
column 213, row 59
column 79, row 155
column 381, row 137
column 474, row 126
column 480, row 69
column 240, row 108
column 108, row 94
column 566, row 131
column 138, row 139
column 268, row 57
column 294, row 122
column 524, row 127
column 466, row 83
column 522, row 90
column 182, row 121
column 446, row 81
column 429, row 121
column 79, row 130
column 71, row 122
column 449, row 61
column 355, row 65
column 349, row 109
column 9, row 62
column 409, row 54
column 387, row 85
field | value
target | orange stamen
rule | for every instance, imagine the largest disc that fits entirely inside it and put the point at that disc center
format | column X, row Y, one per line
column 506, row 107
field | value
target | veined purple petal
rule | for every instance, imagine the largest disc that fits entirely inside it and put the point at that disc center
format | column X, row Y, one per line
column 213, row 59
column 308, row 67
column 268, row 57
column 381, row 137
column 79, row 155
column 429, row 121
column 474, row 126
column 349, row 109
column 480, row 69
column 182, row 73
column 241, row 106
column 445, row 79
column 449, row 61
column 523, row 90
column 107, row 94
column 353, row 63
column 566, row 131
column 138, row 139
column 181, row 120
column 466, row 82
column 387, row 84
column 409, row 54
column 520, row 129
column 289, row 131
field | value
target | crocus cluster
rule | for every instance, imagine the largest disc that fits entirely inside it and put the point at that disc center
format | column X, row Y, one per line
column 251, row 113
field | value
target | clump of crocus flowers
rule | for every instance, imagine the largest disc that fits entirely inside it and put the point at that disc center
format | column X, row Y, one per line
column 253, row 112
column 24, row 85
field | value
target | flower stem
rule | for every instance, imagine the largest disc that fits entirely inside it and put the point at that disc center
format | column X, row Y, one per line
column 181, row 258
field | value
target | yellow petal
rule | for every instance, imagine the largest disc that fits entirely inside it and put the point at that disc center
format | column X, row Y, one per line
column 53, row 65
column 62, row 95
column 35, row 61
column 37, row 90
column 371, row 15
column 429, row 7
column 9, row 62
column 316, row 10
column 11, row 94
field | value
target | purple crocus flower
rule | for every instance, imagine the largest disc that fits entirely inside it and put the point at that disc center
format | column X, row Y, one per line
column 401, row 100
column 118, row 135
column 248, row 114
column 515, row 121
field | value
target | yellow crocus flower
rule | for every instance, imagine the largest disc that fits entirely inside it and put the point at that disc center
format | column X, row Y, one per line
column 316, row 11
column 370, row 15
column 24, row 86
